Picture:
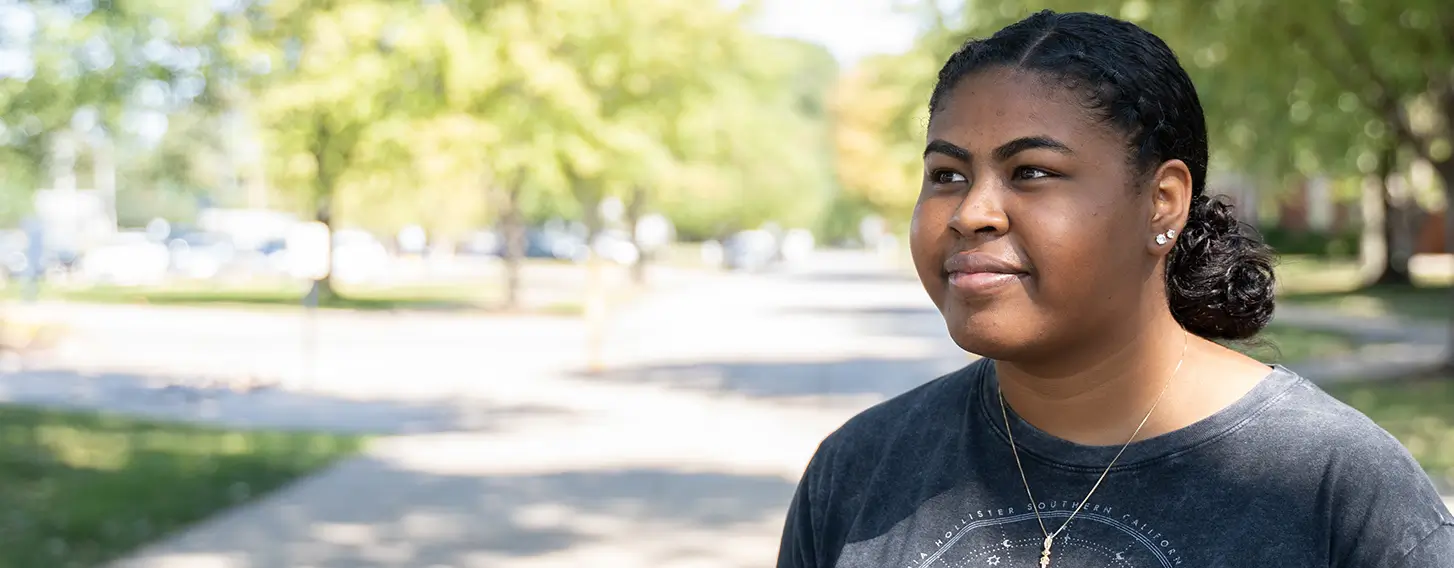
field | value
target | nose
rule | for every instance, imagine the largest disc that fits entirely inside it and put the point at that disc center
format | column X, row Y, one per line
column 981, row 212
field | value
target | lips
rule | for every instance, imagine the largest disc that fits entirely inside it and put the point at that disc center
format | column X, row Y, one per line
column 981, row 273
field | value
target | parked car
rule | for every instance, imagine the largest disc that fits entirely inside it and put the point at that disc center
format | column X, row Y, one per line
column 749, row 251
column 200, row 255
column 796, row 245
column 358, row 256
column 129, row 259
column 616, row 246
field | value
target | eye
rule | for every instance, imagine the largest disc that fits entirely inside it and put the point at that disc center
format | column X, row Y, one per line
column 1031, row 172
column 945, row 177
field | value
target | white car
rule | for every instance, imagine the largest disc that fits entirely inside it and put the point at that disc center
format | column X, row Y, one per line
column 796, row 245
column 131, row 259
column 358, row 257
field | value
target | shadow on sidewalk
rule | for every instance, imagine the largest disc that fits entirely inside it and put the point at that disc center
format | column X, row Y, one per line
column 371, row 513
column 898, row 321
column 881, row 377
column 267, row 408
column 855, row 277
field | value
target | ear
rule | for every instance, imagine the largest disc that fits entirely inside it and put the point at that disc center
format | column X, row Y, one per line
column 1171, row 196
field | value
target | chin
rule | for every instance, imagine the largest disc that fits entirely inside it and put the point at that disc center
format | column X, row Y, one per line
column 998, row 334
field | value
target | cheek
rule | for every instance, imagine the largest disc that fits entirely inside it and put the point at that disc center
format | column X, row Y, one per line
column 928, row 228
column 1081, row 255
column 929, row 221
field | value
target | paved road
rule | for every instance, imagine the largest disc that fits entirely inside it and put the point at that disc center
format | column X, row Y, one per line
column 683, row 452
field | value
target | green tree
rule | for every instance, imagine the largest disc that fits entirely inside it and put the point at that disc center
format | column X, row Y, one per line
column 515, row 118
column 881, row 111
column 100, row 79
column 332, row 81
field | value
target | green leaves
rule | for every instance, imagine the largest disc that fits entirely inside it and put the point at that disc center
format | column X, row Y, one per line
column 381, row 114
column 1291, row 89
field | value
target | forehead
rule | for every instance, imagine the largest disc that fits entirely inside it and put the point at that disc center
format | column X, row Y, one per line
column 996, row 105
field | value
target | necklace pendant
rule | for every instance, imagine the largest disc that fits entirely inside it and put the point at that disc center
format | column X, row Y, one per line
column 1045, row 554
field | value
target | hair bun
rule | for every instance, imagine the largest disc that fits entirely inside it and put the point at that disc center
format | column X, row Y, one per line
column 1219, row 276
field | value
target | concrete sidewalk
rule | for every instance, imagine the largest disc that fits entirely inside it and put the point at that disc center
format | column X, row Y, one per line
column 1393, row 347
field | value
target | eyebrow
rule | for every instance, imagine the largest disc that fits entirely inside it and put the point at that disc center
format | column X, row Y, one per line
column 938, row 146
column 1004, row 152
column 1009, row 149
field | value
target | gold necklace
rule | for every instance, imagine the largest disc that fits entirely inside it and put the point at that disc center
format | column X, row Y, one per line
column 1049, row 536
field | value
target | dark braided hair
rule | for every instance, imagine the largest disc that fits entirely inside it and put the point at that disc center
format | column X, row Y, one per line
column 1219, row 277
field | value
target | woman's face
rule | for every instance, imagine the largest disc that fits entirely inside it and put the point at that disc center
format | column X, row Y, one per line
column 1028, row 233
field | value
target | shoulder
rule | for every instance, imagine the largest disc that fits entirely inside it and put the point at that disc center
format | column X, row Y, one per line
column 1348, row 444
column 926, row 412
column 1435, row 550
column 1320, row 423
column 1381, row 503
column 875, row 468
column 895, row 440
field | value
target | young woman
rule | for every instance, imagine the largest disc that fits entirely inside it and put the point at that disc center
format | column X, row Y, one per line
column 1063, row 231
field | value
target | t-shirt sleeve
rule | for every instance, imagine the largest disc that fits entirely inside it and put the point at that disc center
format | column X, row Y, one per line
column 1385, row 510
column 804, row 542
column 799, row 547
column 1434, row 551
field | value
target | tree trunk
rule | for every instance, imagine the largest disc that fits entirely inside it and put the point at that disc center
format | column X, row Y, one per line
column 595, row 292
column 323, row 291
column 512, row 227
column 1445, row 169
column 1397, row 233
column 633, row 216
column 325, row 181
column 1398, row 236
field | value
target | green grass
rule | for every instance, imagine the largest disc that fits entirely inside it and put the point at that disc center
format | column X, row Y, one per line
column 80, row 488
column 364, row 298
column 1282, row 344
column 1418, row 302
column 1335, row 284
column 1419, row 412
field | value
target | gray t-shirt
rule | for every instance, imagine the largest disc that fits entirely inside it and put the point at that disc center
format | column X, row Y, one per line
column 1286, row 476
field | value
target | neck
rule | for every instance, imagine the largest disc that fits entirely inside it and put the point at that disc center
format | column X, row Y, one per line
column 1099, row 394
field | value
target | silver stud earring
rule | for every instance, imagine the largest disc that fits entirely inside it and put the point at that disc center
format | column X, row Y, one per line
column 1171, row 233
column 1161, row 239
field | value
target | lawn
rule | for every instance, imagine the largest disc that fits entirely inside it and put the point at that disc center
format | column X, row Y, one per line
column 1334, row 284
column 1420, row 413
column 1418, row 302
column 365, row 298
column 1282, row 344
column 80, row 488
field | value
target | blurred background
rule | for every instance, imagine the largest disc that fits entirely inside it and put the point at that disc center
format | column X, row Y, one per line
column 523, row 283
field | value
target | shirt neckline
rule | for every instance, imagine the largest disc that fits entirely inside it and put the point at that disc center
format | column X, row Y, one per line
column 1037, row 444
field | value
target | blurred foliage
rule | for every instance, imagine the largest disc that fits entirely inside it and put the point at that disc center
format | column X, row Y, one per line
column 1282, row 344
column 1412, row 301
column 1342, row 244
column 1343, row 80
column 79, row 489
column 429, row 113
column 382, row 114
column 881, row 112
column 106, row 73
